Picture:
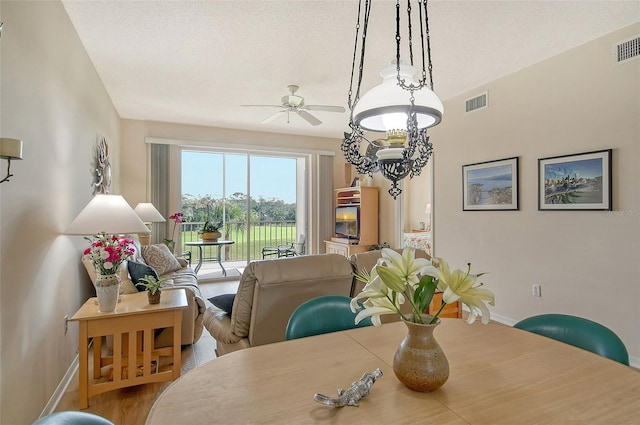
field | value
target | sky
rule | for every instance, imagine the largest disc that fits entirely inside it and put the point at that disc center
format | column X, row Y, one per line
column 202, row 173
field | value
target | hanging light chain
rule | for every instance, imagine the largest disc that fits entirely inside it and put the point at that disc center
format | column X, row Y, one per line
column 353, row 62
column 422, row 36
column 410, row 32
column 367, row 10
column 398, row 38
column 424, row 33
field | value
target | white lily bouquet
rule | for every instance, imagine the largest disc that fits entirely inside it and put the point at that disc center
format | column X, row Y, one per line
column 398, row 278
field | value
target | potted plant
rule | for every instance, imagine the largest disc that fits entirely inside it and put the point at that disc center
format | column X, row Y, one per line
column 152, row 286
column 210, row 231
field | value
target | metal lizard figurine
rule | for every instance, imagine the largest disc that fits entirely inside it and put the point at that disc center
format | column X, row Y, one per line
column 351, row 396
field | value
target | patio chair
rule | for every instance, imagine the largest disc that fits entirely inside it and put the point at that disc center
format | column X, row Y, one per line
column 289, row 249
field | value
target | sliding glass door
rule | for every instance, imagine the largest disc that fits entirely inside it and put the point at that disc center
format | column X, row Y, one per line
column 257, row 201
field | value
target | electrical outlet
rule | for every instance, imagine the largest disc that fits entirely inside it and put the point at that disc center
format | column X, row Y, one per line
column 537, row 290
column 66, row 324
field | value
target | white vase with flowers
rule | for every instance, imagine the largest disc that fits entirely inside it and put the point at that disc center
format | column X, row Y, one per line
column 107, row 253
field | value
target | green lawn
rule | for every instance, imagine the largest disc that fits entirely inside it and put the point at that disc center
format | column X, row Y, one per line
column 261, row 236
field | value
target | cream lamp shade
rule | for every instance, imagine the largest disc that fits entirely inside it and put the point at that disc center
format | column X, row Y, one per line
column 148, row 213
column 107, row 214
column 10, row 148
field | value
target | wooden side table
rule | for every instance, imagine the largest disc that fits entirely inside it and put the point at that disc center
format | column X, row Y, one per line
column 134, row 360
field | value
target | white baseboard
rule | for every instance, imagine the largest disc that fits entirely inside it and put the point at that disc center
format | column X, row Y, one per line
column 62, row 388
column 503, row 319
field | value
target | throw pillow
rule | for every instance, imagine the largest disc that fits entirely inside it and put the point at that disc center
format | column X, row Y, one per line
column 224, row 302
column 139, row 270
column 160, row 258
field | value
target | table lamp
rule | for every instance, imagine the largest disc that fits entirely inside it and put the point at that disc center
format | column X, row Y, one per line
column 109, row 214
column 149, row 215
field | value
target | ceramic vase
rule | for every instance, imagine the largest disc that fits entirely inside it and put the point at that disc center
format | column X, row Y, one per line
column 419, row 362
column 107, row 290
column 154, row 298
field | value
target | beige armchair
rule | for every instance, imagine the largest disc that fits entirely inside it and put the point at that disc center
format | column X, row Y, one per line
column 269, row 291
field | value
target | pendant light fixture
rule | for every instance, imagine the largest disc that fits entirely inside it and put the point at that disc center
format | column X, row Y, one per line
column 403, row 106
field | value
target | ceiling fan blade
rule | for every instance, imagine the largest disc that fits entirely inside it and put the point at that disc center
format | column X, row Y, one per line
column 309, row 118
column 272, row 117
column 325, row 108
column 262, row 106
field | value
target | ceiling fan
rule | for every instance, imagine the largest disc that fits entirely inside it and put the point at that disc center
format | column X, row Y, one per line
column 293, row 103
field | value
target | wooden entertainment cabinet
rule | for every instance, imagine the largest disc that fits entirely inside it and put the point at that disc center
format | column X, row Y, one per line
column 366, row 198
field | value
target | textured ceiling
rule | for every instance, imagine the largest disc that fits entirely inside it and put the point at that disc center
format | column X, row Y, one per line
column 196, row 61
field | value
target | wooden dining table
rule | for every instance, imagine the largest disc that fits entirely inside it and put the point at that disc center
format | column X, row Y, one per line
column 498, row 375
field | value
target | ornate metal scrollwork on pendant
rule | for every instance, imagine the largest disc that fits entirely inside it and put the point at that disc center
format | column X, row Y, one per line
column 350, row 146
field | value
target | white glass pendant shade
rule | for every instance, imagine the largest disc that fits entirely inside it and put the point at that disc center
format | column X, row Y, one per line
column 385, row 106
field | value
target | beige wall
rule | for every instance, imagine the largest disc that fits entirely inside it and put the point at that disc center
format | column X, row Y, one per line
column 587, row 262
column 135, row 164
column 54, row 101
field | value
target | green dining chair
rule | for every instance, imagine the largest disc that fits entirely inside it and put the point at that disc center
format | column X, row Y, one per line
column 72, row 417
column 579, row 332
column 321, row 315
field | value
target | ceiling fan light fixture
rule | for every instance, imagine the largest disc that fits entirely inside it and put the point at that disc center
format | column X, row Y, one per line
column 386, row 106
column 294, row 104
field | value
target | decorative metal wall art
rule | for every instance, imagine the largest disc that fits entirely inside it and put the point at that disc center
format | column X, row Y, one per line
column 102, row 169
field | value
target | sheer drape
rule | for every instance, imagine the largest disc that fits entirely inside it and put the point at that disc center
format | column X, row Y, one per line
column 325, row 199
column 159, row 188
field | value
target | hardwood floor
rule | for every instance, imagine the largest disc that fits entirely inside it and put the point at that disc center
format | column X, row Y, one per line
column 130, row 406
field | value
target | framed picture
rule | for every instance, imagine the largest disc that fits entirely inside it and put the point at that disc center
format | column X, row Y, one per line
column 490, row 186
column 575, row 182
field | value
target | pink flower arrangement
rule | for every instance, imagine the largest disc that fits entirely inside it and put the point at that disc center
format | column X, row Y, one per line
column 177, row 219
column 108, row 252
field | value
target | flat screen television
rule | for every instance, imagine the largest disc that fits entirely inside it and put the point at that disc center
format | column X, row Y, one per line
column 348, row 222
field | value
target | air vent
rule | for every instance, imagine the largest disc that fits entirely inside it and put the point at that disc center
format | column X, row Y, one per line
column 475, row 103
column 627, row 50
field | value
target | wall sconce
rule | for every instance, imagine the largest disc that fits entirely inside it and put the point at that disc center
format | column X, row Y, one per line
column 10, row 149
column 149, row 215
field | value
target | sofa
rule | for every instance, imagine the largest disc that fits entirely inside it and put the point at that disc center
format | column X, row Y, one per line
column 268, row 292
column 157, row 258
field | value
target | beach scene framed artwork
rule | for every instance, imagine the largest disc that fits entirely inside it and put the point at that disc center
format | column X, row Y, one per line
column 575, row 182
column 491, row 185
